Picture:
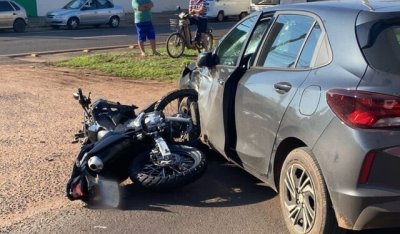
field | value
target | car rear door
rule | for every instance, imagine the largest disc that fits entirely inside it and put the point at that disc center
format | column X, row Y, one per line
column 266, row 89
column 213, row 90
column 7, row 15
column 104, row 10
column 88, row 13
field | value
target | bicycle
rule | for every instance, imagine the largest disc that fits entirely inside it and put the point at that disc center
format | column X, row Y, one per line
column 182, row 37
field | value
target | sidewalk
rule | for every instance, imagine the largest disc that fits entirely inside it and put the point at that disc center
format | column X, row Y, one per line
column 127, row 19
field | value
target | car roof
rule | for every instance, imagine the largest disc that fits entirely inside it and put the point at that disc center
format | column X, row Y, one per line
column 338, row 5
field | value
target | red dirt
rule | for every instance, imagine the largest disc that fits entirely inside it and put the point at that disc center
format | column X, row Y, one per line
column 37, row 123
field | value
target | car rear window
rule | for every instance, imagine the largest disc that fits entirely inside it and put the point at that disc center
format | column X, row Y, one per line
column 384, row 52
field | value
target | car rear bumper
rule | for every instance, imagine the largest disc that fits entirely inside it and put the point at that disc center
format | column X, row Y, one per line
column 341, row 153
column 362, row 211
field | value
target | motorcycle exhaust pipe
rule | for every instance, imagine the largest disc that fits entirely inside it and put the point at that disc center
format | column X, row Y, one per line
column 95, row 164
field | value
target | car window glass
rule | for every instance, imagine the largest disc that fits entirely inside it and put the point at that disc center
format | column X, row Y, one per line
column 5, row 6
column 384, row 53
column 229, row 49
column 257, row 35
column 75, row 4
column 285, row 41
column 309, row 48
column 102, row 4
column 16, row 7
column 91, row 5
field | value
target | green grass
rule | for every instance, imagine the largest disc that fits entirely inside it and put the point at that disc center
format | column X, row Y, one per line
column 131, row 65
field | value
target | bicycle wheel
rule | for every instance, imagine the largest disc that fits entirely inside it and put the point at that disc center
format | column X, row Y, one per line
column 175, row 45
column 181, row 103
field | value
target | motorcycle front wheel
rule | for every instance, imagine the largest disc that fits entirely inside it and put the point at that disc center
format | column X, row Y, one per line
column 175, row 45
column 186, row 165
column 181, row 103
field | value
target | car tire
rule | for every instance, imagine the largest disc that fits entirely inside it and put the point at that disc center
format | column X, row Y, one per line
column 73, row 23
column 114, row 22
column 305, row 202
column 242, row 15
column 19, row 26
column 220, row 16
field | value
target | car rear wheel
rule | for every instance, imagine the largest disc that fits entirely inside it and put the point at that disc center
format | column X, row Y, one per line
column 19, row 26
column 73, row 23
column 304, row 198
column 114, row 22
column 220, row 16
column 242, row 15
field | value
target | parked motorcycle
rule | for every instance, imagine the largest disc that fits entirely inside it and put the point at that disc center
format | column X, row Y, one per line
column 118, row 144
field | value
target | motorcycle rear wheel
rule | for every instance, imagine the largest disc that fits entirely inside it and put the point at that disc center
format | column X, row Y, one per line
column 189, row 164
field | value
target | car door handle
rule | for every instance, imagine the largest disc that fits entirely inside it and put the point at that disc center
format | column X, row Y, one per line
column 221, row 81
column 14, row 13
column 282, row 87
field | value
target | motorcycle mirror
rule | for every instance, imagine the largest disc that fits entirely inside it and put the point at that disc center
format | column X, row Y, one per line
column 76, row 96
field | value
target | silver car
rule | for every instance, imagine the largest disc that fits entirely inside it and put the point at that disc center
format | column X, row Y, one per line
column 86, row 12
column 306, row 97
column 12, row 15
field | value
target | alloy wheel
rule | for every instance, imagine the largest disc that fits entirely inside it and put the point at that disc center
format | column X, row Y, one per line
column 299, row 198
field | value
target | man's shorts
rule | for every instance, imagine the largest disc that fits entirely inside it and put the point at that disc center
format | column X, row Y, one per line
column 145, row 30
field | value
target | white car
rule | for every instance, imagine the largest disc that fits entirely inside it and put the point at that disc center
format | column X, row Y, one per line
column 12, row 15
column 86, row 12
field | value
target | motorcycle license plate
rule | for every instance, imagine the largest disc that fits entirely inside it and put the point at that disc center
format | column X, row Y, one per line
column 109, row 192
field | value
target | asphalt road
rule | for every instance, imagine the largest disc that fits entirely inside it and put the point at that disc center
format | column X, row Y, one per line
column 43, row 39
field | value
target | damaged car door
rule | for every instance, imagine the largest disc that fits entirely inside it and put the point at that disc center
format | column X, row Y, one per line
column 266, row 89
column 214, row 82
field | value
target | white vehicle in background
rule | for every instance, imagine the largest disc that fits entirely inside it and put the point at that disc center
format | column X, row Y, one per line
column 220, row 9
column 256, row 5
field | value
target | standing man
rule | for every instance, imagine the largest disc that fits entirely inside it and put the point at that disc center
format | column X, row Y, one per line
column 198, row 8
column 144, row 26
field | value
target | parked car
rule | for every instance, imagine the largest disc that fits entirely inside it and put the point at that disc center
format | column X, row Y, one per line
column 306, row 97
column 86, row 12
column 12, row 15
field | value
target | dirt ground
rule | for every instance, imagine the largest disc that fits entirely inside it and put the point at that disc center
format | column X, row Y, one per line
column 38, row 118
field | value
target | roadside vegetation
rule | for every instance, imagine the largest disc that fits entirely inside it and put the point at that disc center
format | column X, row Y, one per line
column 131, row 65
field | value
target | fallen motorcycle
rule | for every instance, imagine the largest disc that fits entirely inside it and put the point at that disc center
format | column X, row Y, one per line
column 103, row 116
column 119, row 144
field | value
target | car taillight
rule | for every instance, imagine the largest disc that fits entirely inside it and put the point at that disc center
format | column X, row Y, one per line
column 364, row 109
column 366, row 167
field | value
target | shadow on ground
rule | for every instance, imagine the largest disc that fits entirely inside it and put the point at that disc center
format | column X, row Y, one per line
column 222, row 185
